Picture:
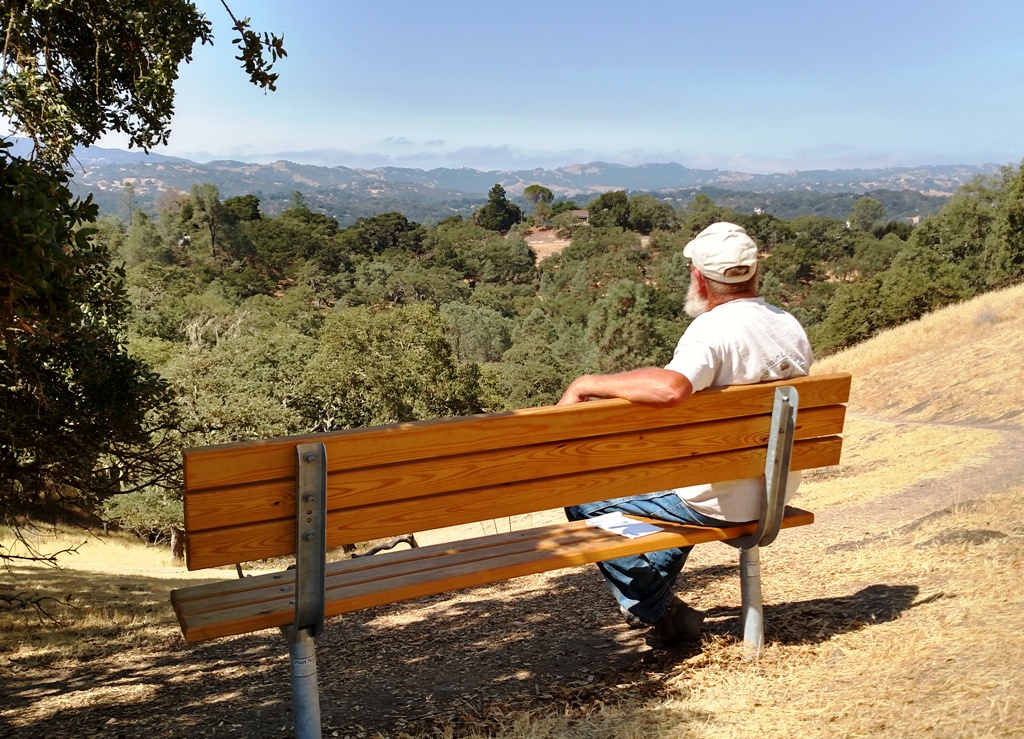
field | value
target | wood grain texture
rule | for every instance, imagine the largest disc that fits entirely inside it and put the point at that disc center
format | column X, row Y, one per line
column 248, row 542
column 361, row 487
column 270, row 459
column 386, row 481
column 222, row 609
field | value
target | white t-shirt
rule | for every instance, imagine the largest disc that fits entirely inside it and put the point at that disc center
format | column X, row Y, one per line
column 739, row 343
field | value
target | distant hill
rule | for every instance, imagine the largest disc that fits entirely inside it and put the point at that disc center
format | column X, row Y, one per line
column 348, row 193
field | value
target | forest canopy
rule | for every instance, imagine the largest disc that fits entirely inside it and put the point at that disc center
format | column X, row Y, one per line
column 265, row 326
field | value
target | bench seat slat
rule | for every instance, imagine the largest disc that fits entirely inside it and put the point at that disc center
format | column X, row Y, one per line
column 268, row 501
column 275, row 538
column 211, row 611
column 233, row 464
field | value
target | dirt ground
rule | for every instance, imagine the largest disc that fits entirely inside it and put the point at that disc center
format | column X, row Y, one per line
column 449, row 661
column 545, row 242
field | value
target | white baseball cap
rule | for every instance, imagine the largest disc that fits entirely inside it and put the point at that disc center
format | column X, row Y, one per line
column 719, row 247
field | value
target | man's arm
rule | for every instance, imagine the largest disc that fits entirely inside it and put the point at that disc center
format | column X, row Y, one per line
column 650, row 385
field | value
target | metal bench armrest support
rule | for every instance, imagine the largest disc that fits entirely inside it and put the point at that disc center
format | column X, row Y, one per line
column 310, row 586
column 776, row 469
column 311, row 537
column 776, row 475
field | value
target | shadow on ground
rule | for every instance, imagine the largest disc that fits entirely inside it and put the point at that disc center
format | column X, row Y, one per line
column 433, row 662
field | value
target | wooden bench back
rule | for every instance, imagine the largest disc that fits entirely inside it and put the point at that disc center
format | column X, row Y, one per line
column 389, row 480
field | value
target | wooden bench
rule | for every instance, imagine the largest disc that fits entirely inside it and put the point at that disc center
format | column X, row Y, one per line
column 300, row 496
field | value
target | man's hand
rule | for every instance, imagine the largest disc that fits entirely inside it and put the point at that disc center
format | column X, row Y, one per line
column 574, row 393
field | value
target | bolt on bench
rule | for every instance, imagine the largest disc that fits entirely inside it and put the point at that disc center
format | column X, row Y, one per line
column 300, row 496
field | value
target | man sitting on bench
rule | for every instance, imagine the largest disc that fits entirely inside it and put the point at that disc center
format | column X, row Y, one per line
column 736, row 338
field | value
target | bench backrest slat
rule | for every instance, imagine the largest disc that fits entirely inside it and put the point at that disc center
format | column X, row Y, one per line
column 221, row 465
column 253, row 503
column 239, row 502
column 276, row 538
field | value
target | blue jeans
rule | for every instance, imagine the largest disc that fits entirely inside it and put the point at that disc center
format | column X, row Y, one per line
column 642, row 583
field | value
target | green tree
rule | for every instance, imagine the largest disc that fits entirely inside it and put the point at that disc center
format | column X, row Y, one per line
column 75, row 408
column 477, row 334
column 77, row 412
column 609, row 210
column 73, row 71
column 700, row 213
column 646, row 213
column 208, row 212
column 243, row 207
column 377, row 234
column 145, row 243
column 498, row 214
column 538, row 194
column 237, row 383
column 965, row 232
column 917, row 282
column 233, row 384
column 383, row 366
column 867, row 214
column 392, row 283
column 540, row 197
column 1010, row 229
column 128, row 203
column 297, row 234
column 621, row 331
column 479, row 254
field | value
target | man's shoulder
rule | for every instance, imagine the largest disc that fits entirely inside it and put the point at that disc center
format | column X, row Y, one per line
column 757, row 307
column 749, row 306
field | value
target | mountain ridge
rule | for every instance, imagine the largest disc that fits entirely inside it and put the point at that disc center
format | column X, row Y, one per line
column 347, row 192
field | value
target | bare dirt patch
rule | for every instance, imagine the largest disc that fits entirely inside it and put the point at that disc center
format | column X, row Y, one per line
column 545, row 242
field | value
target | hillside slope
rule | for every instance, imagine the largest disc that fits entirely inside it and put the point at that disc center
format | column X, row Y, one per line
column 961, row 364
column 895, row 615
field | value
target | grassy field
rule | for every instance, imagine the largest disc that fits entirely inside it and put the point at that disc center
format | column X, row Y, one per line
column 896, row 615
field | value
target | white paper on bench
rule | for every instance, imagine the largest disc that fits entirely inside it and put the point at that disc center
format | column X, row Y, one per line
column 618, row 523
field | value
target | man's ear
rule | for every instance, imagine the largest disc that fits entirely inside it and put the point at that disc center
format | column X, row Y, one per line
column 702, row 285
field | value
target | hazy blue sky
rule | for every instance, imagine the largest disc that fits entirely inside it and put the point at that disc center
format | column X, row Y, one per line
column 751, row 86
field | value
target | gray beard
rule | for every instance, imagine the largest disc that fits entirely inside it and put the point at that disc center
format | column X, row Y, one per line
column 695, row 305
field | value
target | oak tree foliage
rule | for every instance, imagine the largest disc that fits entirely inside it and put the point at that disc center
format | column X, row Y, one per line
column 81, row 418
column 74, row 70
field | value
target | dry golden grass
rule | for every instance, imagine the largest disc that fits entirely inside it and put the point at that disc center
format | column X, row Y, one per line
column 946, row 665
column 959, row 364
column 880, row 457
column 942, row 657
column 897, row 629
column 108, row 586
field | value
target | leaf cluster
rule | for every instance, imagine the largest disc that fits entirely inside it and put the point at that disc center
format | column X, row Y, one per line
column 77, row 412
column 74, row 70
column 252, row 46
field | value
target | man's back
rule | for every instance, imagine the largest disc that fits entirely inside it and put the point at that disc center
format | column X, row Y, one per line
column 741, row 342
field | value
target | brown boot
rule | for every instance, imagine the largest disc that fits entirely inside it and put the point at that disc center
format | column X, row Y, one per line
column 681, row 624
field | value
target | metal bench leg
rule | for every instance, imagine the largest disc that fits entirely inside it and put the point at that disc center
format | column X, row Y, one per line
column 305, row 691
column 776, row 473
column 310, row 571
column 750, row 590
